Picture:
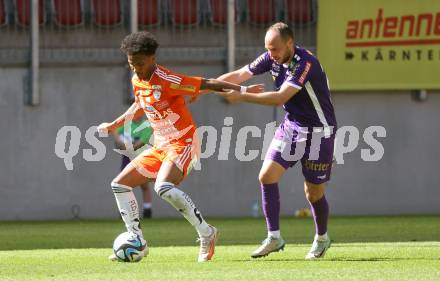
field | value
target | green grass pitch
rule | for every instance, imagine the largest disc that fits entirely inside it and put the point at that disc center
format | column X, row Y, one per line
column 364, row 248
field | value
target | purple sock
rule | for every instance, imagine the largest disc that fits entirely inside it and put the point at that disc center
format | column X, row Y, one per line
column 270, row 201
column 320, row 213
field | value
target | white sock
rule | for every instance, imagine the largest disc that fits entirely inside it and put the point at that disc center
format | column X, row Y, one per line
column 321, row 237
column 128, row 207
column 146, row 205
column 183, row 203
column 275, row 234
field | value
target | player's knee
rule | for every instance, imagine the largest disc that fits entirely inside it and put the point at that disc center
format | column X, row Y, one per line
column 119, row 179
column 312, row 198
column 266, row 178
column 119, row 187
column 313, row 195
column 162, row 188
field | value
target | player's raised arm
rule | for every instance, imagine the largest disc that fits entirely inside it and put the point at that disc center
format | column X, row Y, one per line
column 133, row 111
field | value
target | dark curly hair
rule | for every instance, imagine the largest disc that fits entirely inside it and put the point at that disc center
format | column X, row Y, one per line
column 141, row 42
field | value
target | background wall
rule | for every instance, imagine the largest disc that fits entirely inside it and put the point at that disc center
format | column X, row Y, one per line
column 36, row 185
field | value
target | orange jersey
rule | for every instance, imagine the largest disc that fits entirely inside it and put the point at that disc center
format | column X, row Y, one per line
column 163, row 100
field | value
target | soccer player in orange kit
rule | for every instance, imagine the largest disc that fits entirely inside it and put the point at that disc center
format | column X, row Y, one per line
column 160, row 94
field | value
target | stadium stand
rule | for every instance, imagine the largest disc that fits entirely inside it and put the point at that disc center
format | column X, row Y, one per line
column 85, row 24
column 23, row 12
column 149, row 12
column 107, row 12
column 298, row 11
column 68, row 12
column 185, row 12
column 2, row 13
column 261, row 11
column 219, row 13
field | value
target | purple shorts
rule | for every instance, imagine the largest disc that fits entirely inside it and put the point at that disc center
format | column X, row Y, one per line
column 315, row 150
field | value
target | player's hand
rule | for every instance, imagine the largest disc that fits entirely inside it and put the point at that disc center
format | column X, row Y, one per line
column 231, row 96
column 104, row 129
column 255, row 89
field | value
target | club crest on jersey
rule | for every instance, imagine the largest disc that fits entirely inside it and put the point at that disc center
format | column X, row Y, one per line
column 157, row 94
column 156, row 87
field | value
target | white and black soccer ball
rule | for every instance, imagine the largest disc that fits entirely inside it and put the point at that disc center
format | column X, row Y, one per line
column 129, row 248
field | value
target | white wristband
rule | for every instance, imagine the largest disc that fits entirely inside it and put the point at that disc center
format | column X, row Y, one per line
column 243, row 89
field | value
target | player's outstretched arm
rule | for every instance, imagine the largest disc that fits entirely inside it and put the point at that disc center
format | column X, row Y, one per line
column 218, row 86
column 132, row 112
column 222, row 86
column 266, row 98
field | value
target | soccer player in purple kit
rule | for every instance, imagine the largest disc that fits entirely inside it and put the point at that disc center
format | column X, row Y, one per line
column 301, row 86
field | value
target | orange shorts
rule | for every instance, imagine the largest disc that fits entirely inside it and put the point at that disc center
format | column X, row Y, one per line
column 182, row 154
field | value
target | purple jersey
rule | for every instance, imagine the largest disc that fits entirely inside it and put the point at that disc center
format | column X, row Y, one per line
column 311, row 106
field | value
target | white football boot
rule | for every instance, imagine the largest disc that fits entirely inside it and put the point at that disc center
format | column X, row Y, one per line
column 207, row 245
column 318, row 249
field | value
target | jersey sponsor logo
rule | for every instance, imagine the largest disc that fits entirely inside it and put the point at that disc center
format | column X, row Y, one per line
column 162, row 104
column 305, row 72
column 312, row 166
column 186, row 88
column 159, row 115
